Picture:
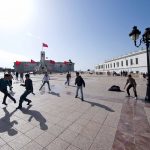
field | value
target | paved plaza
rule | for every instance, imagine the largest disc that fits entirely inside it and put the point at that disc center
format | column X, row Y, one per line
column 58, row 121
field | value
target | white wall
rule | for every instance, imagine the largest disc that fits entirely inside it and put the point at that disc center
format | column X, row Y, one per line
column 141, row 66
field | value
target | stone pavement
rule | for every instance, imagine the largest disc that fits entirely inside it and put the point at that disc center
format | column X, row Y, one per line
column 58, row 121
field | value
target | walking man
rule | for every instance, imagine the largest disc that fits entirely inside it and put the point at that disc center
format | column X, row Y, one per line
column 46, row 79
column 10, row 81
column 68, row 77
column 80, row 83
column 4, row 82
column 29, row 89
column 21, row 77
column 131, row 83
column 17, row 76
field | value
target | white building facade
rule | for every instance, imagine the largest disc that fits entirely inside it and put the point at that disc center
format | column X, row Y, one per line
column 135, row 62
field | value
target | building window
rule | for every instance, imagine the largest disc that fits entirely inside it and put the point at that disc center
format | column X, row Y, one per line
column 117, row 64
column 110, row 65
column 121, row 63
column 131, row 61
column 114, row 65
column 106, row 66
column 136, row 61
column 126, row 62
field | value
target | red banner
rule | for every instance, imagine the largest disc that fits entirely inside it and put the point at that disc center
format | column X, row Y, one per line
column 52, row 61
column 18, row 63
column 32, row 61
column 66, row 62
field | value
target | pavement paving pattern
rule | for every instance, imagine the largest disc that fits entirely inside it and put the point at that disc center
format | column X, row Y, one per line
column 105, row 120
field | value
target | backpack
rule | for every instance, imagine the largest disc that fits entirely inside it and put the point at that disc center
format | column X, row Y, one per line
column 114, row 88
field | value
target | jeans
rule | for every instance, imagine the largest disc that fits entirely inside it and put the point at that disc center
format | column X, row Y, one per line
column 79, row 87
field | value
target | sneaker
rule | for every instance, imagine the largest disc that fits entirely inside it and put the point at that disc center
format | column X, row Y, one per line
column 29, row 102
column 76, row 96
column 82, row 99
column 4, row 103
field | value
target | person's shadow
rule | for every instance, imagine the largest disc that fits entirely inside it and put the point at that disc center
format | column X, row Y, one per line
column 6, row 125
column 36, row 115
column 100, row 105
column 54, row 93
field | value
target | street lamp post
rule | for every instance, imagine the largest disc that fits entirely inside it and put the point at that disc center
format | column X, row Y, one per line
column 146, row 40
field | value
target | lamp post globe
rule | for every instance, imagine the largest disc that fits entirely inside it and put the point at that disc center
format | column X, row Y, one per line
column 135, row 33
column 146, row 40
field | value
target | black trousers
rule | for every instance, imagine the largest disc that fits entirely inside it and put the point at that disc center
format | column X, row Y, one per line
column 23, row 98
column 5, row 96
column 134, row 90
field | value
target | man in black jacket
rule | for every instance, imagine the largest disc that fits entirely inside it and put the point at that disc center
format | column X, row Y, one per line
column 29, row 89
column 79, row 82
column 68, row 77
column 4, row 82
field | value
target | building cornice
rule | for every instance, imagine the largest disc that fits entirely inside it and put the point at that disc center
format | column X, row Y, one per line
column 125, row 56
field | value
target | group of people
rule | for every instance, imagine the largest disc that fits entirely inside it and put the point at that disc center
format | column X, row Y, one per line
column 7, row 81
column 79, row 81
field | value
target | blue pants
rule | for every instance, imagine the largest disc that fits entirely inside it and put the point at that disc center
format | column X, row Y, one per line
column 79, row 87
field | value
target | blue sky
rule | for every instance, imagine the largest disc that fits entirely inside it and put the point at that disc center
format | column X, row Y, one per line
column 86, row 31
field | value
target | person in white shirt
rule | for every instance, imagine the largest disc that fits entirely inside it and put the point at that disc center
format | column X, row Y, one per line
column 46, row 79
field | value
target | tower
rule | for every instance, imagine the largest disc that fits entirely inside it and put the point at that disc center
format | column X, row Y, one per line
column 42, row 65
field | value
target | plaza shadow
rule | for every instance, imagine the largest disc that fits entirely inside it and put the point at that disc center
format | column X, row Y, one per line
column 36, row 115
column 6, row 125
column 100, row 105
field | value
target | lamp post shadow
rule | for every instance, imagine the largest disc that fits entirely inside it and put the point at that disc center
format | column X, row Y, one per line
column 100, row 105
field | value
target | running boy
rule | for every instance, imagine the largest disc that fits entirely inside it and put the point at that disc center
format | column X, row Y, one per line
column 29, row 89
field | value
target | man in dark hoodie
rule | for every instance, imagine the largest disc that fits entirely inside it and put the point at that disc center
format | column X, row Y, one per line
column 29, row 89
column 80, row 83
column 4, row 82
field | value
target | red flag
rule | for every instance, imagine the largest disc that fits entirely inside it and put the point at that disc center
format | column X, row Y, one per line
column 45, row 45
column 18, row 63
column 32, row 61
